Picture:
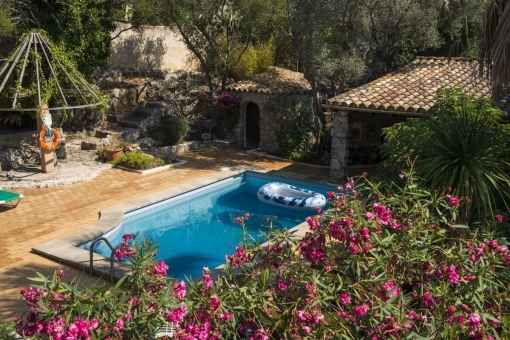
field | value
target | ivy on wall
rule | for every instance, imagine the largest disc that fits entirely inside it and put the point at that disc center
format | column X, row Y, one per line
column 292, row 126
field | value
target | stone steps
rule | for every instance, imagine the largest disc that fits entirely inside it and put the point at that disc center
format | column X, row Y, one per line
column 142, row 117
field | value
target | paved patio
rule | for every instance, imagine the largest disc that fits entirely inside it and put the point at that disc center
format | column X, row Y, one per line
column 49, row 213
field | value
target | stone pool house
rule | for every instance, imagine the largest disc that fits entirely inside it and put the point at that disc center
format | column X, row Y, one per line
column 360, row 114
column 256, row 126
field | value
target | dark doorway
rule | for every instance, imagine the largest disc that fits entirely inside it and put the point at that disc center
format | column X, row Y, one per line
column 252, row 126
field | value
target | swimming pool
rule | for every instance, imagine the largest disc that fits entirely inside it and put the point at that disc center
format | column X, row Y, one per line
column 198, row 228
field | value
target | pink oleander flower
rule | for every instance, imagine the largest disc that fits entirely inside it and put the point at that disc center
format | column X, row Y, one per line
column 119, row 325
column 452, row 200
column 499, row 218
column 474, row 320
column 391, row 290
column 450, row 310
column 224, row 317
column 360, row 310
column 176, row 315
column 369, row 215
column 179, row 289
column 453, row 276
column 281, row 285
column 160, row 268
column 366, row 248
column 457, row 319
column 60, row 274
column 313, row 223
column 215, row 302
column 395, row 226
column 345, row 299
column 401, row 176
column 353, row 249
column 127, row 316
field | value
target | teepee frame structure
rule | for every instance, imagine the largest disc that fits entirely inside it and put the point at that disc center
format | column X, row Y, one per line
column 33, row 77
column 45, row 63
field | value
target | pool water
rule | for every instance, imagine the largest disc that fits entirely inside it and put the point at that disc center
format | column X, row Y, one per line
column 197, row 229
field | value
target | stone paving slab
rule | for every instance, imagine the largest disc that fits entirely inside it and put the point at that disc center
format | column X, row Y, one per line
column 50, row 213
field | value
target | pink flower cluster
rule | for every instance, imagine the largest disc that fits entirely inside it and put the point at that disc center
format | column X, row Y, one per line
column 57, row 328
column 208, row 282
column 158, row 269
column 201, row 323
column 238, row 258
column 176, row 315
column 272, row 254
column 179, row 290
column 124, row 250
column 242, row 219
column 452, row 200
column 488, row 249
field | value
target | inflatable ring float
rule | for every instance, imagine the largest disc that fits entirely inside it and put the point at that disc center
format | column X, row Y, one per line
column 290, row 196
column 49, row 139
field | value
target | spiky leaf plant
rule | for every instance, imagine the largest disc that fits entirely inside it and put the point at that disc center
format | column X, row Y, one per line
column 466, row 153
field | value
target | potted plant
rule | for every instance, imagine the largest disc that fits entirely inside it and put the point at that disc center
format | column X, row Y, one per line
column 113, row 152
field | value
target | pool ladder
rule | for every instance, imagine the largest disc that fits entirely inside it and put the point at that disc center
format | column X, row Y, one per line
column 111, row 255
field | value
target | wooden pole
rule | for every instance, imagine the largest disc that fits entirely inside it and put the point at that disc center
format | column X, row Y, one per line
column 43, row 122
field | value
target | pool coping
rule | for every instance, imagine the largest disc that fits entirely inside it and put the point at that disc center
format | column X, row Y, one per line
column 65, row 250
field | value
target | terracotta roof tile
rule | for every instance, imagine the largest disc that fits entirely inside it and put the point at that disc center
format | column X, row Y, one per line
column 276, row 81
column 413, row 88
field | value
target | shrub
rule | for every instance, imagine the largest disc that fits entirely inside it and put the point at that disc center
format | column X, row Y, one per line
column 172, row 130
column 129, row 309
column 254, row 60
column 460, row 146
column 139, row 161
column 293, row 126
column 226, row 107
column 373, row 266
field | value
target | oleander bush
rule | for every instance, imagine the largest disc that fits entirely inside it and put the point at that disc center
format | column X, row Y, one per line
column 373, row 266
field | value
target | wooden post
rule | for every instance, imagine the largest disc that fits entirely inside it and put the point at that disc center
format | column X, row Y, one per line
column 43, row 121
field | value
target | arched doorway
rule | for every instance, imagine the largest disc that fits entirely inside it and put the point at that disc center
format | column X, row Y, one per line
column 252, row 126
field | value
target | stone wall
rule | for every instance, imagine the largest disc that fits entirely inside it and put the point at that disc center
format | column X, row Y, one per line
column 267, row 123
column 18, row 148
column 149, row 48
column 340, row 145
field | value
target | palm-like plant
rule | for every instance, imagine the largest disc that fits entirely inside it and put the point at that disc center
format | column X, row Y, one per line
column 494, row 53
column 466, row 154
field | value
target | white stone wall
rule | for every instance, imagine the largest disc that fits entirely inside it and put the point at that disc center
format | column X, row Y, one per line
column 150, row 48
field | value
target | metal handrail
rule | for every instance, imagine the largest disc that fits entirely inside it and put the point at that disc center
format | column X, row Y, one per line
column 111, row 256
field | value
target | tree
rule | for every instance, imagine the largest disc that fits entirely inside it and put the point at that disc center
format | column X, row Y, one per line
column 495, row 47
column 82, row 28
column 6, row 25
column 346, row 40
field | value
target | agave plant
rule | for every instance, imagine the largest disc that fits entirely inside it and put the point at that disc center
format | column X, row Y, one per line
column 466, row 153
